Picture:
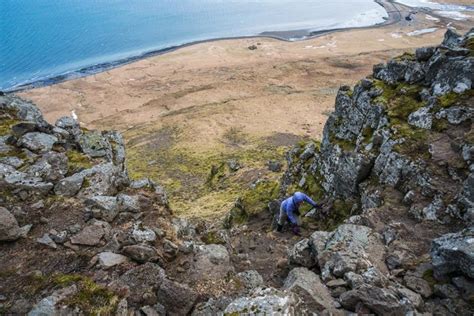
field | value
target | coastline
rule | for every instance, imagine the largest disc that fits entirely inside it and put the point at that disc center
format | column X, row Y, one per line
column 393, row 13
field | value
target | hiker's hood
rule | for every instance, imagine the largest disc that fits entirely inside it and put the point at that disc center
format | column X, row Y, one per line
column 298, row 197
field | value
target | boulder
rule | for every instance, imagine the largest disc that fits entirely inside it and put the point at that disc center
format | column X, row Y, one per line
column 69, row 186
column 47, row 241
column 418, row 285
column 103, row 207
column 301, row 254
column 309, row 288
column 9, row 229
column 421, row 118
column 89, row 236
column 51, row 167
column 211, row 262
column 382, row 301
column 456, row 114
column 37, row 142
column 70, row 125
column 127, row 203
column 212, row 307
column 109, row 259
column 142, row 234
column 94, row 144
column 454, row 253
column 141, row 283
column 103, row 179
column 178, row 299
column 251, row 279
column 265, row 302
column 50, row 305
column 141, row 253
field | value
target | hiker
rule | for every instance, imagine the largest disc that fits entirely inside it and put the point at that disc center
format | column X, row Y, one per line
column 289, row 211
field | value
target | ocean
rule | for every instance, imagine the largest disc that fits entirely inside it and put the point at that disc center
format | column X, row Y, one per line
column 42, row 40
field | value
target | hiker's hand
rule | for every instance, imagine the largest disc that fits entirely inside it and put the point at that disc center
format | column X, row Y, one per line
column 296, row 230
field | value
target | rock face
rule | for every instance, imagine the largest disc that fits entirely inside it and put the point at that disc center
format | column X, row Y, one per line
column 454, row 252
column 9, row 229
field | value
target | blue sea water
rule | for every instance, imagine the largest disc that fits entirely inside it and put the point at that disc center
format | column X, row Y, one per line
column 40, row 39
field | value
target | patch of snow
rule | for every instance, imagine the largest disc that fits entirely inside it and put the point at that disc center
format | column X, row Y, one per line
column 455, row 15
column 422, row 31
column 74, row 115
column 431, row 18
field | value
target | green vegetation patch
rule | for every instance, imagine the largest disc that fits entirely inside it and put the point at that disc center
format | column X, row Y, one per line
column 78, row 161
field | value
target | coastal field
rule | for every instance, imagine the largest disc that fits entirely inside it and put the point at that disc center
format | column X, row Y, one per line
column 189, row 115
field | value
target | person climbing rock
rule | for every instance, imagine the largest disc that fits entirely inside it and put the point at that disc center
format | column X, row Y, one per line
column 289, row 211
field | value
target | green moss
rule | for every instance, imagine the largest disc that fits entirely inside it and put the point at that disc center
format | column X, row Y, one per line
column 415, row 144
column 440, row 125
column 406, row 56
column 91, row 298
column 470, row 45
column 345, row 145
column 453, row 98
column 367, row 133
column 217, row 173
column 212, row 237
column 66, row 279
column 255, row 200
column 77, row 161
column 6, row 125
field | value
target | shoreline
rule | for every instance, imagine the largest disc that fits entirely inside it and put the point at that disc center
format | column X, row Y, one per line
column 394, row 16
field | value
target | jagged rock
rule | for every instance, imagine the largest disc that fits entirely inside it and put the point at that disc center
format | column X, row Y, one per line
column 94, row 144
column 374, row 277
column 20, row 181
column 274, row 166
column 141, row 283
column 70, row 125
column 178, row 299
column 379, row 300
column 418, row 285
column 369, row 198
column 69, row 186
column 47, row 241
column 308, row 287
column 389, row 234
column 58, row 237
column 183, row 228
column 109, row 259
column 145, row 183
column 103, row 179
column 465, row 286
column 415, row 299
column 454, row 253
column 424, row 53
column 103, row 207
column 9, row 229
column 421, row 118
column 301, row 254
column 89, row 236
column 141, row 253
column 456, row 114
column 51, row 167
column 466, row 198
column 212, row 307
column 38, row 142
column 143, row 234
column 336, row 283
column 317, row 242
column 211, row 262
column 117, row 154
column 233, row 165
column 446, row 291
column 127, row 203
column 251, row 279
column 24, row 110
column 15, row 162
column 265, row 302
column 451, row 39
column 351, row 248
column 49, row 305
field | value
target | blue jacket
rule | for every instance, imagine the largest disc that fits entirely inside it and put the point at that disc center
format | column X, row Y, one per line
column 290, row 205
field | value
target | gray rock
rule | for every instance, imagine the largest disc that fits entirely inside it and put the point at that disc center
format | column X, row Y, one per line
column 389, row 234
column 381, row 301
column 454, row 253
column 89, row 236
column 212, row 307
column 418, row 285
column 103, row 207
column 51, row 167
column 446, row 291
column 274, row 166
column 301, row 254
column 415, row 299
column 15, row 162
column 265, row 302
column 145, row 183
column 69, row 186
column 210, row 262
column 58, row 237
column 353, row 279
column 456, row 114
column 421, row 118
column 143, row 234
column 307, row 286
column 38, row 142
column 140, row 253
column 127, row 203
column 233, row 165
column 465, row 286
column 70, row 125
column 374, row 277
column 144, row 279
column 94, row 144
column 251, row 279
column 47, row 241
column 103, row 179
column 424, row 53
column 9, row 229
column 178, row 299
column 50, row 304
column 109, row 259
column 183, row 228
column 25, row 111
column 451, row 39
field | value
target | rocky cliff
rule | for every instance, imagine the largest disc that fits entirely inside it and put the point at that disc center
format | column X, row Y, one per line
column 395, row 237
